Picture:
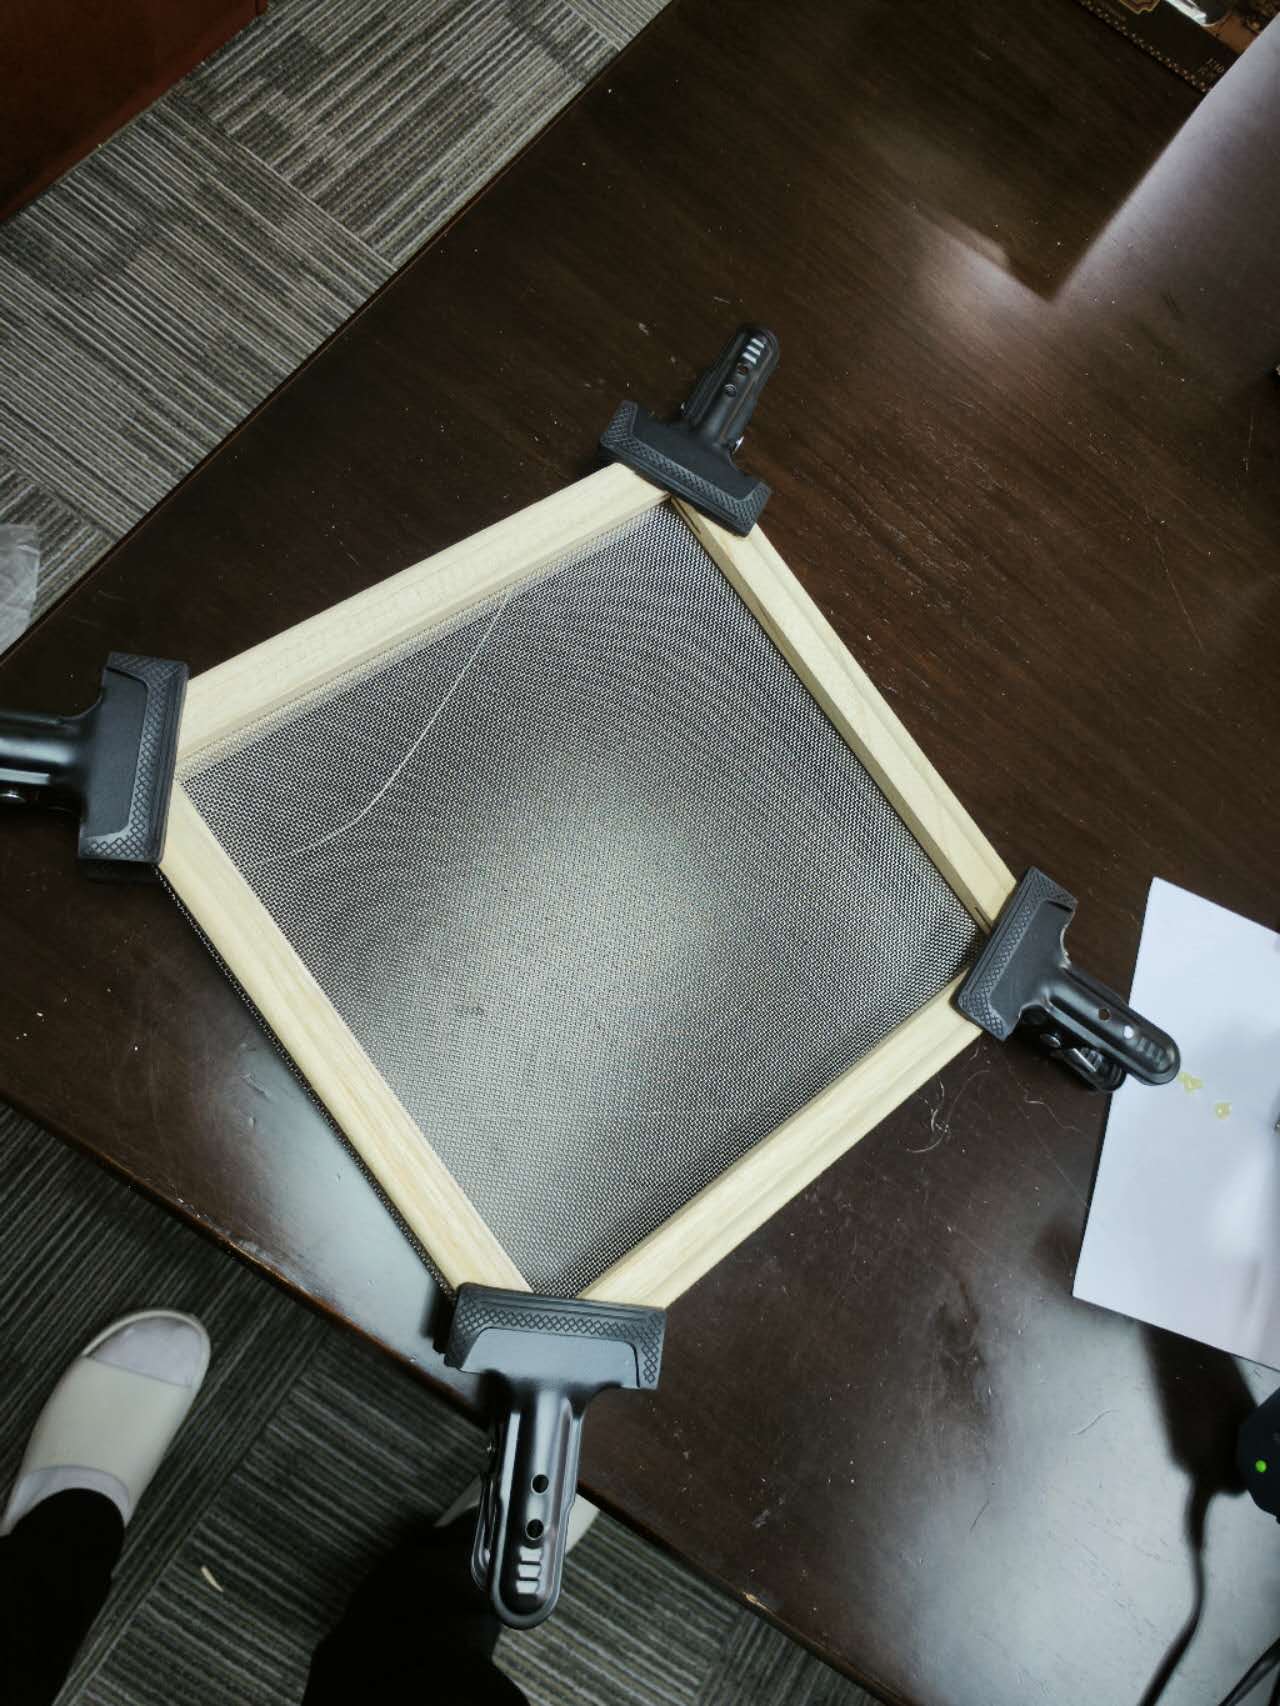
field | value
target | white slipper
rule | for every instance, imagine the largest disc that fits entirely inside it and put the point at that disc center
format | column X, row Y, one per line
column 112, row 1416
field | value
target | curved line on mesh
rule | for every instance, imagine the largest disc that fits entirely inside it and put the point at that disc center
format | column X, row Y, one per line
column 315, row 846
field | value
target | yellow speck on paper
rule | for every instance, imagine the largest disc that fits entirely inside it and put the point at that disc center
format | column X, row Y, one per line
column 1223, row 1110
column 1190, row 1082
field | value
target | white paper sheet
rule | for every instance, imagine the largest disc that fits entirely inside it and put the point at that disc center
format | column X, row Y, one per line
column 1184, row 1227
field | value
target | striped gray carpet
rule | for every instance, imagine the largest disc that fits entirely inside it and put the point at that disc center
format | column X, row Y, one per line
column 148, row 302
column 163, row 288
column 305, row 1456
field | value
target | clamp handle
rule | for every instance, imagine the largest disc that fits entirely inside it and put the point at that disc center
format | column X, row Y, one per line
column 692, row 457
column 549, row 1357
column 1025, row 978
column 725, row 397
column 113, row 764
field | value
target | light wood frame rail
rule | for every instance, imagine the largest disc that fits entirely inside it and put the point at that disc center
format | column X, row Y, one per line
column 267, row 680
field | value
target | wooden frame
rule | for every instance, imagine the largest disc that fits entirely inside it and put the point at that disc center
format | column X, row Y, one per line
column 262, row 682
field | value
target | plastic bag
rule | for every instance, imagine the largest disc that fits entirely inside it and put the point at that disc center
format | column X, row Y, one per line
column 19, row 572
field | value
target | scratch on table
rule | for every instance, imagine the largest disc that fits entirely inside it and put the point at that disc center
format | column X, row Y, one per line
column 943, row 1130
column 155, row 1101
column 933, row 1123
column 1173, row 588
column 979, row 1246
column 1034, row 1102
column 1070, row 1183
column 977, row 1519
column 1076, row 1432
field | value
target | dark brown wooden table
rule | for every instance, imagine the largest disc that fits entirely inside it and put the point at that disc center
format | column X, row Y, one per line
column 1027, row 455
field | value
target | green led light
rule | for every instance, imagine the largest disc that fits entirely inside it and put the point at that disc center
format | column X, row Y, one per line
column 1261, row 1466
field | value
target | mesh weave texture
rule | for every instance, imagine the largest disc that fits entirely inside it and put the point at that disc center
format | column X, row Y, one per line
column 595, row 884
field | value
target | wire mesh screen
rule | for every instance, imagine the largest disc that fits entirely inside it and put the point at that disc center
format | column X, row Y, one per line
column 596, row 886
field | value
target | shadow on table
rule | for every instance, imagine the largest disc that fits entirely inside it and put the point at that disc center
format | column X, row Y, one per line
column 1203, row 1399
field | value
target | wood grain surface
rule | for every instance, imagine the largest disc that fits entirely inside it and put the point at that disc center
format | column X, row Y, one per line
column 1025, row 449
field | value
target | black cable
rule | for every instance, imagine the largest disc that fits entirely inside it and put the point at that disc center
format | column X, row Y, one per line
column 1275, row 1692
column 1255, row 1674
